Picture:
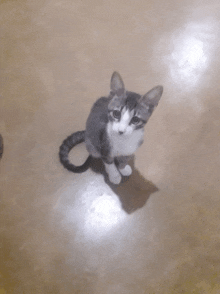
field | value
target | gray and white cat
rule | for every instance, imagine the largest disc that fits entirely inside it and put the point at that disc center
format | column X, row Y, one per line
column 114, row 129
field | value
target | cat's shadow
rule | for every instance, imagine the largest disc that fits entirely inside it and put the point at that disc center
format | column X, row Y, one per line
column 133, row 192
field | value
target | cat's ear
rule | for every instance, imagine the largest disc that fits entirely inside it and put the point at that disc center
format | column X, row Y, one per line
column 117, row 84
column 152, row 97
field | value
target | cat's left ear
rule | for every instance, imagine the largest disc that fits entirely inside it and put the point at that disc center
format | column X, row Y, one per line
column 117, row 84
column 152, row 97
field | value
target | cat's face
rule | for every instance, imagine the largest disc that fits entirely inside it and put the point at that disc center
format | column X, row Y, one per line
column 129, row 111
column 126, row 114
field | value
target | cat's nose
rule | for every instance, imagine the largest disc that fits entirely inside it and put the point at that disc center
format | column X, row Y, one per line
column 121, row 133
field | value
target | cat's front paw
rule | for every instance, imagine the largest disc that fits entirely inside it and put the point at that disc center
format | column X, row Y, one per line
column 126, row 171
column 115, row 178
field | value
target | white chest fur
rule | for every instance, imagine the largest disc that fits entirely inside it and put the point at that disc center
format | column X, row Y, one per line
column 123, row 145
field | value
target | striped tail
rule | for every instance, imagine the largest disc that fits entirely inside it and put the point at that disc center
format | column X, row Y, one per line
column 67, row 145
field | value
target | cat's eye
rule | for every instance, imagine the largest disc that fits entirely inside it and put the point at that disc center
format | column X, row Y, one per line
column 116, row 114
column 135, row 120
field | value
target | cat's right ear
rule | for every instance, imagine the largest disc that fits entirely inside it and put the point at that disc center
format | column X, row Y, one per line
column 117, row 84
column 152, row 97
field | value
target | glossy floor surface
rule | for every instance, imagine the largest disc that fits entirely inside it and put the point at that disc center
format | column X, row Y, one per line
column 159, row 232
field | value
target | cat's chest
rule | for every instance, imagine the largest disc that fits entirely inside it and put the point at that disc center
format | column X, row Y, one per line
column 125, row 145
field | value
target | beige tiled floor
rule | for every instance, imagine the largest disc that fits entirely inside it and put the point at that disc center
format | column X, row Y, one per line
column 72, row 233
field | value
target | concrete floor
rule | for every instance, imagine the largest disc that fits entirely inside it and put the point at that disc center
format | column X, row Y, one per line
column 72, row 233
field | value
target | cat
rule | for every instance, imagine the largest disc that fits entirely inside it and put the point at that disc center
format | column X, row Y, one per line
column 114, row 129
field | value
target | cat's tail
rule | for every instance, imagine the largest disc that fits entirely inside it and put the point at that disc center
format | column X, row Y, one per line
column 67, row 145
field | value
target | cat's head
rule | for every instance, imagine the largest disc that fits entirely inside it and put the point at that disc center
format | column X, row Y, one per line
column 128, row 111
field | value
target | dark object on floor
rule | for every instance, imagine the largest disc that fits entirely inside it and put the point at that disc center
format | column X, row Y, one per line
column 1, row 146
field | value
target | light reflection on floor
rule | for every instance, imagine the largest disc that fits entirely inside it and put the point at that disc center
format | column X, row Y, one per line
column 96, row 210
column 190, row 56
column 188, row 59
column 104, row 214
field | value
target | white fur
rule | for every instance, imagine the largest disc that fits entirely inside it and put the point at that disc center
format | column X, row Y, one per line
column 125, row 144
column 113, row 173
column 126, row 171
column 123, row 124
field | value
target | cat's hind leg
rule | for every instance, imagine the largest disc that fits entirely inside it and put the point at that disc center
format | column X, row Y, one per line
column 91, row 149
